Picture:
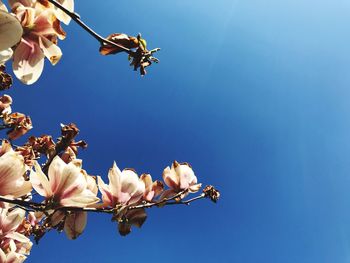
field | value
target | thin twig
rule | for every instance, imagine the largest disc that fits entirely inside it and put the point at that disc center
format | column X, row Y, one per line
column 98, row 37
column 42, row 207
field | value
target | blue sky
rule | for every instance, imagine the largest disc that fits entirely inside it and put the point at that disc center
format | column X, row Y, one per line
column 254, row 94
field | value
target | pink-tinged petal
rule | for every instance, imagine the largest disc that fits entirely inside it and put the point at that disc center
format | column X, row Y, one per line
column 147, row 179
column 137, row 195
column 14, row 257
column 21, row 188
column 10, row 30
column 69, row 5
column 18, row 237
column 26, row 3
column 170, row 178
column 55, row 171
column 186, row 175
column 123, row 198
column 40, row 182
column 57, row 217
column 129, row 181
column 107, row 196
column 51, row 51
column 91, row 184
column 12, row 170
column 43, row 23
column 5, row 55
column 114, row 176
column 13, row 220
column 83, row 199
column 28, row 61
column 75, row 224
column 157, row 187
column 72, row 182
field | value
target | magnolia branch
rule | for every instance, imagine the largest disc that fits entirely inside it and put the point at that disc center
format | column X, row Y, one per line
column 42, row 207
column 78, row 20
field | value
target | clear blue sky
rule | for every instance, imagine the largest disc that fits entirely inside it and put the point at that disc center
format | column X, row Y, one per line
column 254, row 94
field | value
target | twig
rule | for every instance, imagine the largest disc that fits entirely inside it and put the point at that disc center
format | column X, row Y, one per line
column 42, row 207
column 98, row 37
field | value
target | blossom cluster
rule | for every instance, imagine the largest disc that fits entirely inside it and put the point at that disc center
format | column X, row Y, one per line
column 68, row 192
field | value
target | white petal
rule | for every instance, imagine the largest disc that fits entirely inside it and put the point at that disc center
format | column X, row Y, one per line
column 28, row 61
column 40, row 181
column 5, row 55
column 129, row 181
column 69, row 5
column 114, row 176
column 51, row 51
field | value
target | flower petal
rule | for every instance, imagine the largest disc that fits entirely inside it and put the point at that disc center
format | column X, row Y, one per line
column 5, row 55
column 51, row 51
column 28, row 61
column 10, row 30
column 69, row 5
column 83, row 199
column 40, row 182
column 107, row 196
column 75, row 224
column 114, row 176
column 55, row 171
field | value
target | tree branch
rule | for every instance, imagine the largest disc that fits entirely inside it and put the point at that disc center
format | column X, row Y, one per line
column 42, row 207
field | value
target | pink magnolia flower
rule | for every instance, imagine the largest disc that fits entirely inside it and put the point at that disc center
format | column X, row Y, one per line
column 124, row 188
column 13, row 245
column 66, row 185
column 12, row 170
column 41, row 30
column 178, row 178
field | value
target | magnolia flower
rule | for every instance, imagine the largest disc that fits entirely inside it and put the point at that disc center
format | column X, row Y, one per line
column 178, row 178
column 12, row 170
column 66, row 184
column 13, row 245
column 124, row 188
column 41, row 30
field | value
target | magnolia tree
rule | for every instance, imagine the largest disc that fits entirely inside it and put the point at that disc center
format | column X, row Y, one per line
column 29, row 33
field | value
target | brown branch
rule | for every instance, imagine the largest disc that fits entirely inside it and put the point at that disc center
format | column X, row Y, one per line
column 98, row 37
column 41, row 207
